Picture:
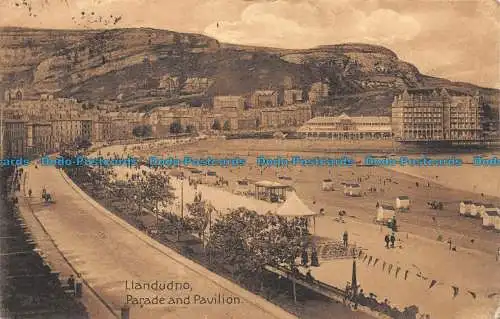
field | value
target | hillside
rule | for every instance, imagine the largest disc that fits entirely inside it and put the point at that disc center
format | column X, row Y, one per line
column 99, row 65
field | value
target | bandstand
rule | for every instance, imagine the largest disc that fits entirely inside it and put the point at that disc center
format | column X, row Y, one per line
column 270, row 191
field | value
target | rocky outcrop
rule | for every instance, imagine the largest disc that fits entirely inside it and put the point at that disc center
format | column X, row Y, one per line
column 96, row 64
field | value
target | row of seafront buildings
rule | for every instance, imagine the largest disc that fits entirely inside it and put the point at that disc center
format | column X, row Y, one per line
column 47, row 124
column 233, row 113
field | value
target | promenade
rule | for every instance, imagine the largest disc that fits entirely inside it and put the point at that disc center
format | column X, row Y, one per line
column 110, row 254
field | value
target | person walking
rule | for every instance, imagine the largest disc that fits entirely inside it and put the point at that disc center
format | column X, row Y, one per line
column 71, row 282
column 309, row 276
column 498, row 254
column 347, row 292
column 387, row 240
column 346, row 239
column 314, row 258
column 305, row 258
column 30, row 192
column 393, row 240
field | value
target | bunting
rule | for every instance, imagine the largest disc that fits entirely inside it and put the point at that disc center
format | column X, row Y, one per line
column 433, row 282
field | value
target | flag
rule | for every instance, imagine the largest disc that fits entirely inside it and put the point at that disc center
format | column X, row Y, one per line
column 406, row 274
column 492, row 295
column 473, row 294
column 455, row 291
column 433, row 282
column 376, row 261
column 397, row 271
column 370, row 260
column 366, row 256
column 360, row 253
column 383, row 266
column 390, row 268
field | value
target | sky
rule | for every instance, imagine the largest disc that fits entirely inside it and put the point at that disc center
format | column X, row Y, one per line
column 455, row 39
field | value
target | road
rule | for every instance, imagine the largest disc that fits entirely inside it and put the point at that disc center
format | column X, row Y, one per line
column 110, row 254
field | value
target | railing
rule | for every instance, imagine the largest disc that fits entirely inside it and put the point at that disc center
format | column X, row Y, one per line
column 315, row 285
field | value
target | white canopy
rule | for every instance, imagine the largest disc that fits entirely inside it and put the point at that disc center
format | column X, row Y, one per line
column 294, row 207
column 269, row 184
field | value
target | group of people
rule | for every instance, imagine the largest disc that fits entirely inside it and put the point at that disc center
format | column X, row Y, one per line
column 358, row 298
column 371, row 302
column 308, row 277
column 390, row 240
column 72, row 285
column 314, row 258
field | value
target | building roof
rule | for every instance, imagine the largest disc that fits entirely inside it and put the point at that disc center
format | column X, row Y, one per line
column 270, row 184
column 467, row 202
column 429, row 91
column 403, row 197
column 265, row 92
column 489, row 206
column 228, row 97
column 352, row 185
column 491, row 213
column 387, row 207
column 14, row 121
column 294, row 207
column 354, row 119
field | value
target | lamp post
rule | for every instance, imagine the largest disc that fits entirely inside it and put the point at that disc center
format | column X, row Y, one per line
column 1, row 130
column 182, row 198
column 180, row 222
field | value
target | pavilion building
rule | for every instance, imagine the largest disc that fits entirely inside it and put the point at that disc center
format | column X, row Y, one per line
column 344, row 127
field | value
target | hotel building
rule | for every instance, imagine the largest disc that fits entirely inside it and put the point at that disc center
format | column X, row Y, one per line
column 436, row 115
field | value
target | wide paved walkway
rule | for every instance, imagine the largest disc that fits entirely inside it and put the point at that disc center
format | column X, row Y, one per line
column 110, row 253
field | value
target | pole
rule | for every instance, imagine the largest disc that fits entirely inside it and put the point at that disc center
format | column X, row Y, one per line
column 209, row 237
column 1, row 130
column 182, row 199
column 314, row 224
column 157, row 218
column 294, row 291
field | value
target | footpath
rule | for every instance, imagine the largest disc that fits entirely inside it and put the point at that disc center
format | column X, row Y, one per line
column 108, row 252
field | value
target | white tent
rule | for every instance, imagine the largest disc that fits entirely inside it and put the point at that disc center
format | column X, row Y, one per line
column 294, row 207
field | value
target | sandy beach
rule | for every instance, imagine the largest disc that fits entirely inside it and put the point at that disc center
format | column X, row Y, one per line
column 471, row 268
column 468, row 178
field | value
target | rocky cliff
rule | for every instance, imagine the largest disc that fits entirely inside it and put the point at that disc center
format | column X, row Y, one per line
column 99, row 64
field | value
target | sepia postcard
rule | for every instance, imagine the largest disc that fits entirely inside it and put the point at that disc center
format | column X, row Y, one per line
column 243, row 159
